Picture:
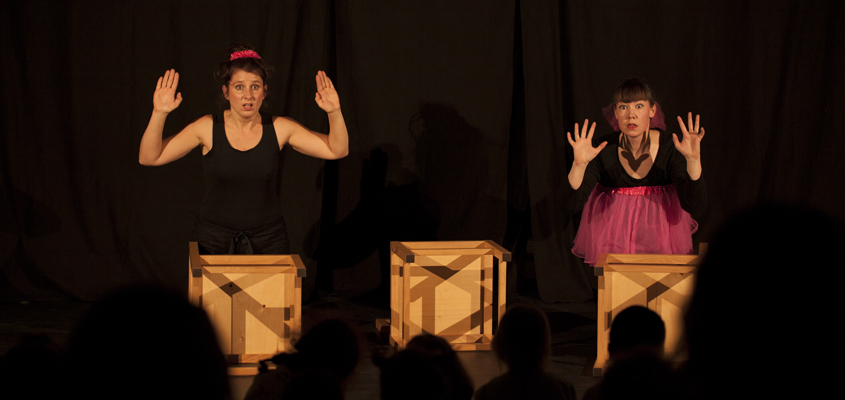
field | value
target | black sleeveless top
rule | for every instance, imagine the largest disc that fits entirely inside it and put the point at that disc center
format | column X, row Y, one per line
column 241, row 187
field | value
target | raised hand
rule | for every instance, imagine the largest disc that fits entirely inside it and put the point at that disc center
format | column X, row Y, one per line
column 163, row 98
column 326, row 96
column 690, row 147
column 582, row 146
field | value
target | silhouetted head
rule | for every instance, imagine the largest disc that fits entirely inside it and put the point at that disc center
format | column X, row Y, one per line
column 411, row 374
column 458, row 382
column 523, row 340
column 315, row 384
column 764, row 292
column 642, row 376
column 145, row 342
column 636, row 329
column 29, row 370
column 331, row 345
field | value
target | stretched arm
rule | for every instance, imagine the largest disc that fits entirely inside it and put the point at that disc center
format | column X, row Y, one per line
column 333, row 146
column 583, row 151
column 157, row 151
column 690, row 147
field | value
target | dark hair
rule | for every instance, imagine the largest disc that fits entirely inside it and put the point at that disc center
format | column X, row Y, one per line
column 636, row 327
column 161, row 342
column 253, row 65
column 773, row 259
column 330, row 345
column 633, row 89
column 523, row 339
column 458, row 382
column 643, row 376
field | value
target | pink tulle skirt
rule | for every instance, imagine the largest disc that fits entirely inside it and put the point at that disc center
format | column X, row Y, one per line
column 633, row 220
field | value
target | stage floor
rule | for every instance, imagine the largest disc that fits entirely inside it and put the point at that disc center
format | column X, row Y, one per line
column 573, row 328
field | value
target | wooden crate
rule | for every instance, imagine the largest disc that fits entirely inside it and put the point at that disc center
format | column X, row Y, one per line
column 659, row 282
column 455, row 290
column 253, row 301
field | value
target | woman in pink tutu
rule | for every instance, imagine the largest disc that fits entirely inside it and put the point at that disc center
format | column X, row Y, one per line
column 637, row 189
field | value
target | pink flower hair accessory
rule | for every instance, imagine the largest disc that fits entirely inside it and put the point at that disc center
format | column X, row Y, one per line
column 244, row 54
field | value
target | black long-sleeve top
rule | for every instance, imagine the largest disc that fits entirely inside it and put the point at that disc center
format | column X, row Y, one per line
column 669, row 166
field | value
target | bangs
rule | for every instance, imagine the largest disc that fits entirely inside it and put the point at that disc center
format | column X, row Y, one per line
column 633, row 90
column 250, row 65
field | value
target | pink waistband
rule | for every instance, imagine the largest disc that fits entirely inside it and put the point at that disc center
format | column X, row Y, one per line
column 637, row 190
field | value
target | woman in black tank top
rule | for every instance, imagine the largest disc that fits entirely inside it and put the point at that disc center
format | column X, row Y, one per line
column 240, row 213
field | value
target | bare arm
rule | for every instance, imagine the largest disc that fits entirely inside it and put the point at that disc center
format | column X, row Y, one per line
column 156, row 151
column 333, row 146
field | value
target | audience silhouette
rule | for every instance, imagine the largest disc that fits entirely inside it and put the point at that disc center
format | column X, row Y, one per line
column 523, row 342
column 328, row 350
column 144, row 342
column 29, row 369
column 634, row 332
column 763, row 294
column 763, row 297
column 428, row 368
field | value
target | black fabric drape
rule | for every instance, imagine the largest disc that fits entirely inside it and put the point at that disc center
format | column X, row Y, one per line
column 433, row 103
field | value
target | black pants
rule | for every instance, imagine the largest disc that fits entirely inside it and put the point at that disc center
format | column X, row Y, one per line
column 268, row 239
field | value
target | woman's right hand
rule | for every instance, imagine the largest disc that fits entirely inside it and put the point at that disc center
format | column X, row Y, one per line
column 582, row 146
column 163, row 98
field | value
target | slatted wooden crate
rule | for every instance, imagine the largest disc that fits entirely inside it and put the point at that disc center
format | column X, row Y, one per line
column 253, row 301
column 659, row 282
column 455, row 290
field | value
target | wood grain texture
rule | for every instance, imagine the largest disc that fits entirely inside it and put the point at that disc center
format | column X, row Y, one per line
column 662, row 283
column 448, row 289
column 254, row 302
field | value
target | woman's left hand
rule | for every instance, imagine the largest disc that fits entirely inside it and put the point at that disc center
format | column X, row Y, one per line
column 690, row 147
column 326, row 96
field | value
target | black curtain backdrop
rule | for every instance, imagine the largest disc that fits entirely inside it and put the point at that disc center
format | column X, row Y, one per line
column 457, row 113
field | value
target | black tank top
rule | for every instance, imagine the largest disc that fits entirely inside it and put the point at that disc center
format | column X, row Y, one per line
column 241, row 187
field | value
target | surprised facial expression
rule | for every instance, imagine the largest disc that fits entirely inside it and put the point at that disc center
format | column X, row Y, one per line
column 245, row 92
column 634, row 117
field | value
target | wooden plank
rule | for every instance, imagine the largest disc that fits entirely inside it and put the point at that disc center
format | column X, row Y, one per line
column 598, row 269
column 243, row 370
column 500, row 252
column 406, row 306
column 382, row 324
column 247, row 259
column 667, row 269
column 702, row 249
column 296, row 323
column 401, row 250
column 284, row 339
column 253, row 358
column 503, row 290
column 194, row 274
column 487, row 293
column 257, row 269
column 650, row 259
column 602, row 323
column 451, row 252
column 396, row 291
column 471, row 346
column 444, row 244
column 296, row 312
column 218, row 306
column 300, row 266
